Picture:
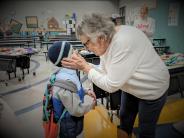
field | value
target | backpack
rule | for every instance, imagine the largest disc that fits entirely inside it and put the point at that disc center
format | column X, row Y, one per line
column 70, row 126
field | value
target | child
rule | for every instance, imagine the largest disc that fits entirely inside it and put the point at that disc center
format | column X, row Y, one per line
column 68, row 99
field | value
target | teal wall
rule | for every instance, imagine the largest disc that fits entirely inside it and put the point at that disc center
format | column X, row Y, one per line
column 174, row 34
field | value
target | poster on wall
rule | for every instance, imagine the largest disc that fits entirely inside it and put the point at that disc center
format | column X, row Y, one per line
column 173, row 14
column 53, row 23
column 15, row 26
column 31, row 21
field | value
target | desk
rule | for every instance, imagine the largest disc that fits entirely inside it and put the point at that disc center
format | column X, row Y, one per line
column 176, row 79
column 76, row 44
column 18, row 54
column 63, row 38
column 176, row 69
column 14, row 52
column 16, row 37
column 46, row 43
column 11, row 44
column 18, row 41
column 8, row 65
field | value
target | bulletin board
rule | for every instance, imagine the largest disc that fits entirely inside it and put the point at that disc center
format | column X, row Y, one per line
column 173, row 15
column 15, row 25
column 31, row 21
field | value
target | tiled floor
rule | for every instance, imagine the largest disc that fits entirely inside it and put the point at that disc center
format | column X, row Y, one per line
column 24, row 97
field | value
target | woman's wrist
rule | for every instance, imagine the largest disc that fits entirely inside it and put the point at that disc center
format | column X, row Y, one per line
column 87, row 68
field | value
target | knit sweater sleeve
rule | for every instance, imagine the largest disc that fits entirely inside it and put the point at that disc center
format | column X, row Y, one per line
column 122, row 60
column 73, row 104
column 99, row 67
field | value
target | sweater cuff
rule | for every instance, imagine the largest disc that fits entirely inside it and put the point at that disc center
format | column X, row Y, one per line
column 91, row 73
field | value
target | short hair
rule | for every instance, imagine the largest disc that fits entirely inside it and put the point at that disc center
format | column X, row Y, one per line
column 144, row 7
column 95, row 25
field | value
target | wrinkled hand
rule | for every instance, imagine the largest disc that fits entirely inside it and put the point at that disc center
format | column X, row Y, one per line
column 92, row 94
column 76, row 61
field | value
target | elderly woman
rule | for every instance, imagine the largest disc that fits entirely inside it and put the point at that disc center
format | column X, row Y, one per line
column 128, row 62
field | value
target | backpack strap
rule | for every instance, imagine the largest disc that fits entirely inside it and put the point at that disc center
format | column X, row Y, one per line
column 47, row 96
column 53, row 77
column 68, row 85
column 45, row 104
column 62, row 115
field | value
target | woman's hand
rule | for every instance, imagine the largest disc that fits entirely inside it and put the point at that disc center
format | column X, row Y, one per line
column 76, row 61
column 92, row 94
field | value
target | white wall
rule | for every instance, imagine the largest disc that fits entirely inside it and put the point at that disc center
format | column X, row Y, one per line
column 58, row 9
column 133, row 7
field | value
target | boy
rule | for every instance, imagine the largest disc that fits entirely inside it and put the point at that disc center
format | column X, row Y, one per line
column 68, row 96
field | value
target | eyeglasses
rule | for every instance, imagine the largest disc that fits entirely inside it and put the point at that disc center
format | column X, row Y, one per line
column 86, row 43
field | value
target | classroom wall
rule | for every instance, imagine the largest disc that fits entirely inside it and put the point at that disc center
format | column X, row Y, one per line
column 57, row 8
column 174, row 34
column 159, row 10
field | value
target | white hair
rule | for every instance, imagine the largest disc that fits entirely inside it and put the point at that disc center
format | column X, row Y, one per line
column 95, row 25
